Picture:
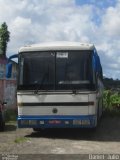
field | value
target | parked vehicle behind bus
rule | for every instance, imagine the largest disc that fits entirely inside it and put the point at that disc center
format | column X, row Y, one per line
column 59, row 85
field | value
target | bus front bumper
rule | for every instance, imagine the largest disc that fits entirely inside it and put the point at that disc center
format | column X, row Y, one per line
column 87, row 121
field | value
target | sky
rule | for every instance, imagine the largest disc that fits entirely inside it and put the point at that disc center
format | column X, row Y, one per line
column 85, row 21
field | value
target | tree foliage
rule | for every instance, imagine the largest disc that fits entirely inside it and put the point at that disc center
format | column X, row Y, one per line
column 110, row 83
column 4, row 38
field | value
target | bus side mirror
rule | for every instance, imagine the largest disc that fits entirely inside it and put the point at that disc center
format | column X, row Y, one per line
column 9, row 70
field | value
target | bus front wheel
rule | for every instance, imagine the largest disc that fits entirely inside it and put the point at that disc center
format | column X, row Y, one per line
column 37, row 129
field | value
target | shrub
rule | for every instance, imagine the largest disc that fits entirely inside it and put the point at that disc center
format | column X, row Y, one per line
column 111, row 102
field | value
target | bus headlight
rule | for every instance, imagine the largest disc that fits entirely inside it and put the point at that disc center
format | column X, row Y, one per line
column 32, row 122
column 81, row 122
column 85, row 122
column 24, row 122
column 28, row 122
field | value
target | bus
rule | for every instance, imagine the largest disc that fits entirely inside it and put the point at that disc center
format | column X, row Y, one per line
column 59, row 85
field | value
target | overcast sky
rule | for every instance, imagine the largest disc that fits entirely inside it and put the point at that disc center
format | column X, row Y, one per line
column 94, row 21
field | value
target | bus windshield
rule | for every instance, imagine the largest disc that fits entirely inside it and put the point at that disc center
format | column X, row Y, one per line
column 56, row 70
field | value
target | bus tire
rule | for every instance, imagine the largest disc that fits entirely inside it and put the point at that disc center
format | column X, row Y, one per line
column 37, row 129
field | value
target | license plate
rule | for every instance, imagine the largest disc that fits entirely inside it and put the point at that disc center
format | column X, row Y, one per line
column 54, row 122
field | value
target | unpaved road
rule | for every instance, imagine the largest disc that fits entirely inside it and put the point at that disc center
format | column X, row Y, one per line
column 105, row 140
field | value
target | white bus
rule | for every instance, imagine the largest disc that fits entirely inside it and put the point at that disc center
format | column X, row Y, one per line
column 59, row 85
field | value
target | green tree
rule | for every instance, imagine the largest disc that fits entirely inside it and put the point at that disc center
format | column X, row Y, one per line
column 4, row 38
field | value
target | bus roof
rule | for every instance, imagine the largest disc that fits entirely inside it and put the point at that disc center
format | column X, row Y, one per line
column 57, row 46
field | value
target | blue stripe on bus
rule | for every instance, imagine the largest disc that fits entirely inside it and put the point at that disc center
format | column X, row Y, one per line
column 47, row 118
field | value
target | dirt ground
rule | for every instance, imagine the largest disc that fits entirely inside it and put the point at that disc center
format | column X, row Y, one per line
column 62, row 142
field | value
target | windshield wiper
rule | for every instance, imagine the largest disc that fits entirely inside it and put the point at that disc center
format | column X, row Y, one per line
column 42, row 82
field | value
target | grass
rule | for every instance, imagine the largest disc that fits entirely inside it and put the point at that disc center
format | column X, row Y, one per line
column 20, row 139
